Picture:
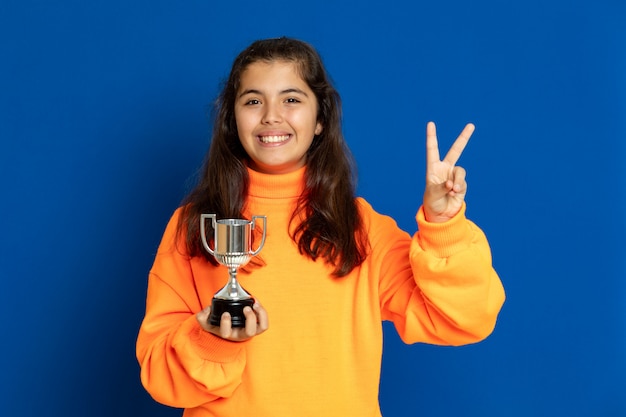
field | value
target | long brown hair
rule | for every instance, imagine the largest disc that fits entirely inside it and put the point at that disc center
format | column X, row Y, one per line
column 331, row 227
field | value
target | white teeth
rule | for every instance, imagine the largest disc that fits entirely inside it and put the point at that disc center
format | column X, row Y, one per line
column 274, row 139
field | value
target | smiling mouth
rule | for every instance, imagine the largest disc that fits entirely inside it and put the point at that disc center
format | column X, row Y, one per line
column 274, row 139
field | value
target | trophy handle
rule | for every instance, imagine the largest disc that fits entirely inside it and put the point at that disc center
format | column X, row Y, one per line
column 264, row 218
column 203, row 218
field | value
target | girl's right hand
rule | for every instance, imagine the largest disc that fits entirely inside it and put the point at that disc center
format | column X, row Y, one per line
column 256, row 323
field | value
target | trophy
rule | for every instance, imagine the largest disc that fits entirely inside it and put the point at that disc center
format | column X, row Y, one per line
column 232, row 248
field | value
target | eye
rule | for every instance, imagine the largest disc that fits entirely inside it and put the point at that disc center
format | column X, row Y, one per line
column 252, row 102
column 292, row 100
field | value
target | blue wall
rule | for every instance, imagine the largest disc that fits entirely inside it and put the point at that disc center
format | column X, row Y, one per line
column 104, row 120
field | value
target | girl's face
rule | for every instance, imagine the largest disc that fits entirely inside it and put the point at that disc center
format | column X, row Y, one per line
column 276, row 115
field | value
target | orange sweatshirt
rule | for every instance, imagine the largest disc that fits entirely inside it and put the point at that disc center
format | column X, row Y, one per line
column 321, row 355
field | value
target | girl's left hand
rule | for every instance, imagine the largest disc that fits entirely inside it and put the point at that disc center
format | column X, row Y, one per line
column 445, row 183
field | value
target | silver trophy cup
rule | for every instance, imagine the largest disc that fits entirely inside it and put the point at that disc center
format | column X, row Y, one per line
column 232, row 248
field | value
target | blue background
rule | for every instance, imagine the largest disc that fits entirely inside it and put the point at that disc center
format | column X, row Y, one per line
column 104, row 119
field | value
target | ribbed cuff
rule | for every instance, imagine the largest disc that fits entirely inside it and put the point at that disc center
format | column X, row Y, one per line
column 444, row 239
column 211, row 347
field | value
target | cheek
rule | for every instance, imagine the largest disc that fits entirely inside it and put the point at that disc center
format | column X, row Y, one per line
column 243, row 123
column 307, row 120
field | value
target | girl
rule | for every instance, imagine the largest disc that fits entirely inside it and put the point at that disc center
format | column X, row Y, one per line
column 331, row 268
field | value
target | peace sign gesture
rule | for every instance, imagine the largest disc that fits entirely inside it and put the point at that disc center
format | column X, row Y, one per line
column 445, row 183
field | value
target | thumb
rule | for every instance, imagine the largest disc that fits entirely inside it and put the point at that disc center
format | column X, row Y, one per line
column 203, row 317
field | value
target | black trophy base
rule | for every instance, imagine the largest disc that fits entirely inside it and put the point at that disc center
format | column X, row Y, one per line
column 234, row 307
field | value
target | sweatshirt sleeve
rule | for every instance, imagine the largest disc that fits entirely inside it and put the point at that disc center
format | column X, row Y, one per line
column 439, row 286
column 181, row 364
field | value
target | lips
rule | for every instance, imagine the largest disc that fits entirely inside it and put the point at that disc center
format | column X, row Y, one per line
column 273, row 138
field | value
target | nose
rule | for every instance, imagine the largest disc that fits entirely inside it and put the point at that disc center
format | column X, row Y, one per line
column 272, row 113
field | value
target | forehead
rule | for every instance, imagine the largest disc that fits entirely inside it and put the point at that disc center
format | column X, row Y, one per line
column 271, row 73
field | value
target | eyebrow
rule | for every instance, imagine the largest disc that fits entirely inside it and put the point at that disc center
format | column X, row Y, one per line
column 286, row 91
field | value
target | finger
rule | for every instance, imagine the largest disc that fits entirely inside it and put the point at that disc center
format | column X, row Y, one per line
column 435, row 192
column 262, row 318
column 226, row 327
column 432, row 148
column 251, row 321
column 203, row 318
column 458, row 179
column 459, row 144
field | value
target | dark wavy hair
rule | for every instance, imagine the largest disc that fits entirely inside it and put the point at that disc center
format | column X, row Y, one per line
column 331, row 228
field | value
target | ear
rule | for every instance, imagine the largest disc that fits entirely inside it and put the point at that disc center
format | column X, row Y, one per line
column 318, row 128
